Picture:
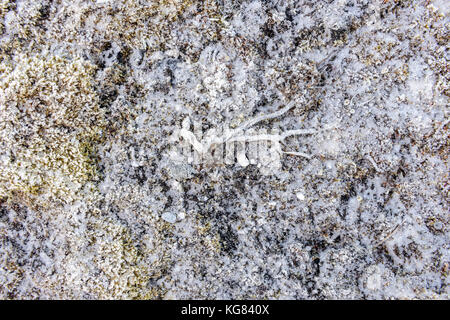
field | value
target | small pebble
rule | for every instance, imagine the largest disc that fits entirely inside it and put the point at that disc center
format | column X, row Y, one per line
column 300, row 196
column 169, row 217
column 438, row 225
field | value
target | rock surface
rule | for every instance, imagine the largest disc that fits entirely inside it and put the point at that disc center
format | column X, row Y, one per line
column 96, row 203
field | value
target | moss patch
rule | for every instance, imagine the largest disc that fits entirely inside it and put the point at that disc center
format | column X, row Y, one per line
column 50, row 124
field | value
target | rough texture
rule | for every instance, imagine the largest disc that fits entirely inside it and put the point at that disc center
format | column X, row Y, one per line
column 94, row 205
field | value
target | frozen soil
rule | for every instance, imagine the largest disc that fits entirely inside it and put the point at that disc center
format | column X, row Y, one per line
column 94, row 206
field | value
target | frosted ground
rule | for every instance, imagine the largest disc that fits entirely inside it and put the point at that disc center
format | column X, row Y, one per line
column 94, row 204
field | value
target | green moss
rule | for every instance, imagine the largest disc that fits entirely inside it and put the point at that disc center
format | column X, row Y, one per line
column 50, row 125
column 126, row 21
column 124, row 273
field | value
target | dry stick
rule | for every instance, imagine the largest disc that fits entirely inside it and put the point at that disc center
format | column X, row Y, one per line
column 388, row 236
column 300, row 154
column 252, row 122
column 374, row 164
column 297, row 132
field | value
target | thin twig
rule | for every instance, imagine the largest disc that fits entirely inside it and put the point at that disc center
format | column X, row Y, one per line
column 374, row 164
column 388, row 236
column 276, row 114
